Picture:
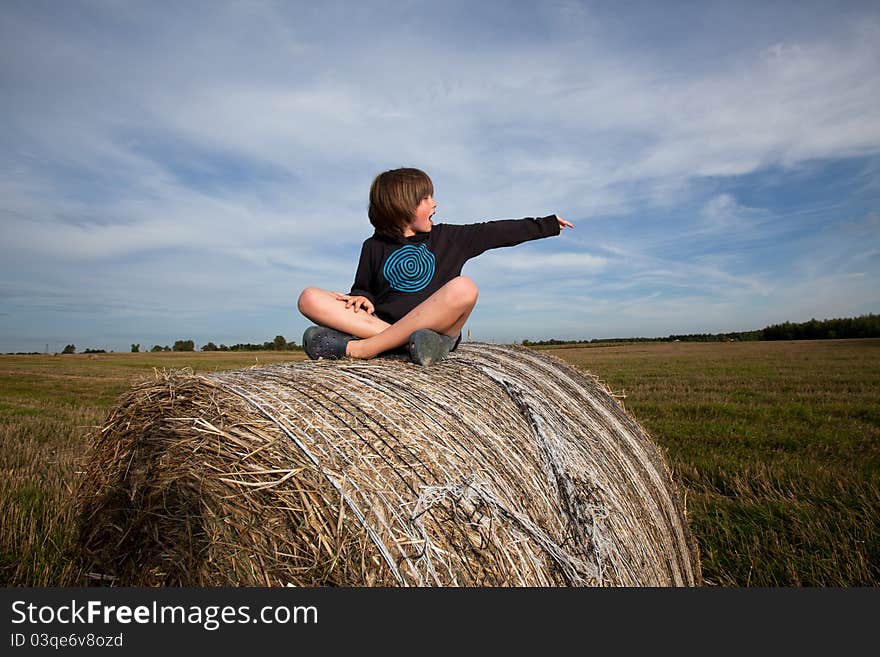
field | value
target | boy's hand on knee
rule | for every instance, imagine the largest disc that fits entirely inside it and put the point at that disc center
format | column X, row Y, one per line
column 357, row 302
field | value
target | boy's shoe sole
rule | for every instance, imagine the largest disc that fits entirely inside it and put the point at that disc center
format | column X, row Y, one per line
column 323, row 342
column 427, row 347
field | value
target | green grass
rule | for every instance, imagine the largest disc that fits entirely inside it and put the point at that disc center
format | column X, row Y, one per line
column 777, row 445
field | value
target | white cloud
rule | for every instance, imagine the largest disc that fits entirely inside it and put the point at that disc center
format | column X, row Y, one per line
column 561, row 262
column 723, row 213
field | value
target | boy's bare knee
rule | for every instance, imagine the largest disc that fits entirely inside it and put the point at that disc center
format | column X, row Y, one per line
column 464, row 290
column 308, row 299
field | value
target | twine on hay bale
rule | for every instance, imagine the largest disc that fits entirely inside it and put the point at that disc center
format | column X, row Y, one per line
column 500, row 466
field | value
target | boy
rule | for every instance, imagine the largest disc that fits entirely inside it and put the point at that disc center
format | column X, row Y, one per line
column 408, row 282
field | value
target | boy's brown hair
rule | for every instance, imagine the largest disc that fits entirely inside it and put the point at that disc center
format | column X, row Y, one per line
column 394, row 197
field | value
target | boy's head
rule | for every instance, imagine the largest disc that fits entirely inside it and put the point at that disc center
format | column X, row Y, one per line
column 394, row 197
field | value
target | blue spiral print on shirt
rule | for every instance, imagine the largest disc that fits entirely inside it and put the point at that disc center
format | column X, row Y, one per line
column 410, row 268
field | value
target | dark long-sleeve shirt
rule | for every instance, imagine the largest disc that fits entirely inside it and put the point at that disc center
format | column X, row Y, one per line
column 397, row 274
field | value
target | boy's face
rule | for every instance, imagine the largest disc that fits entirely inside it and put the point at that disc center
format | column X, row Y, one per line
column 424, row 211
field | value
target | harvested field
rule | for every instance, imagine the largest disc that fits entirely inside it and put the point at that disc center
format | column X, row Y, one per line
column 776, row 445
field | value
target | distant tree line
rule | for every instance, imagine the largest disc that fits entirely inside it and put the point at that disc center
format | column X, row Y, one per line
column 278, row 344
column 179, row 345
column 71, row 349
column 738, row 336
column 864, row 326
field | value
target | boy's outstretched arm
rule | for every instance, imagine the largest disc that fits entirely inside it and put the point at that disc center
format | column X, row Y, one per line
column 474, row 239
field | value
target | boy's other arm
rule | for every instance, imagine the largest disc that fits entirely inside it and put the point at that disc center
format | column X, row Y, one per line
column 361, row 295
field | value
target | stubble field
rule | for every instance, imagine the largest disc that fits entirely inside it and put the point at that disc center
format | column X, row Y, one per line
column 776, row 445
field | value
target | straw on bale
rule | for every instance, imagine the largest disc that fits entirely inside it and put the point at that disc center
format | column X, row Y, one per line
column 498, row 467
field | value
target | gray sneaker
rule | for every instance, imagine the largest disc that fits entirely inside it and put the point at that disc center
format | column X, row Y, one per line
column 323, row 342
column 427, row 347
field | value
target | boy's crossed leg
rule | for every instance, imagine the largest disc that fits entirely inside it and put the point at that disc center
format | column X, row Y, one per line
column 445, row 311
column 328, row 309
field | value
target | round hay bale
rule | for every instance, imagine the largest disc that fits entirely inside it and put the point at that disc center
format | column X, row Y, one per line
column 498, row 467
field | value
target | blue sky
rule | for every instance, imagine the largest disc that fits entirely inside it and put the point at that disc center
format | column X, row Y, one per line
column 182, row 170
